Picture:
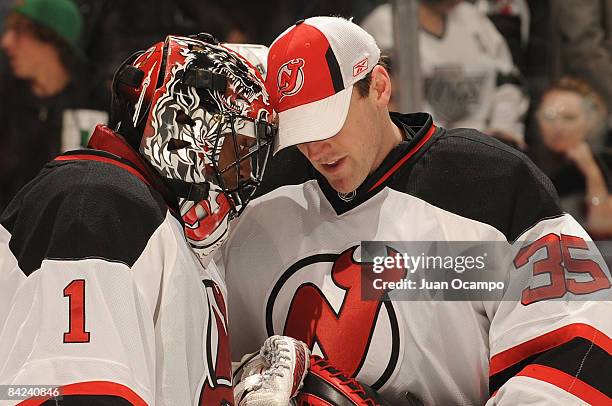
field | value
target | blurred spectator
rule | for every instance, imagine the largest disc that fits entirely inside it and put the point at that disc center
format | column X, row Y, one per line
column 571, row 118
column 47, row 108
column 585, row 40
column 511, row 18
column 470, row 78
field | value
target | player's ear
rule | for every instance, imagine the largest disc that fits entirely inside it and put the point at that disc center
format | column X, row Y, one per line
column 380, row 87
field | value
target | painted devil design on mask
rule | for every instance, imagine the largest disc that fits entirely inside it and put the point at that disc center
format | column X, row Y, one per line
column 200, row 120
column 207, row 111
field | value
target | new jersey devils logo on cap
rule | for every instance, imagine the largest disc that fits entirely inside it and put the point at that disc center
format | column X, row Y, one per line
column 290, row 78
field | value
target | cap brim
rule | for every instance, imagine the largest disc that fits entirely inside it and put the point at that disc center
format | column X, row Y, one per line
column 314, row 121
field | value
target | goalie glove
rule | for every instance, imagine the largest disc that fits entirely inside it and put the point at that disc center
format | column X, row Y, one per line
column 328, row 386
column 274, row 375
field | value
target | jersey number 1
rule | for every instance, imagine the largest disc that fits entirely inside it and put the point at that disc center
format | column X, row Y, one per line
column 75, row 292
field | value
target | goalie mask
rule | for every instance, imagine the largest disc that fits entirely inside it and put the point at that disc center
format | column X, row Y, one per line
column 199, row 114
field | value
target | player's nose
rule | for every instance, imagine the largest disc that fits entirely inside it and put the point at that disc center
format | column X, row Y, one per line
column 315, row 150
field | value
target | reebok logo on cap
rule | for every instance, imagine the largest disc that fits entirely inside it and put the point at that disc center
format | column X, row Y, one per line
column 360, row 67
column 290, row 78
column 312, row 68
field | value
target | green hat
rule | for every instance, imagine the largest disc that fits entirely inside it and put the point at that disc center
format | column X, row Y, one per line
column 61, row 16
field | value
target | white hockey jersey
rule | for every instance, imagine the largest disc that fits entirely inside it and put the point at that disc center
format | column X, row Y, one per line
column 100, row 293
column 292, row 266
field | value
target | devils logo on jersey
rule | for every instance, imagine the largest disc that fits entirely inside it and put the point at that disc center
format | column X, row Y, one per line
column 217, row 383
column 319, row 300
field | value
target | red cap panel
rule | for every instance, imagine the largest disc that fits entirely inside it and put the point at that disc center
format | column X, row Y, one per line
column 298, row 71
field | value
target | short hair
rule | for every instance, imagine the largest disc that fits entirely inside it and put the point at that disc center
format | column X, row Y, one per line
column 20, row 23
column 363, row 85
column 592, row 99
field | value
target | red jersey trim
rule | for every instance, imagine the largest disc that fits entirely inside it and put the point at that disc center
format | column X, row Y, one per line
column 567, row 382
column 406, row 157
column 552, row 339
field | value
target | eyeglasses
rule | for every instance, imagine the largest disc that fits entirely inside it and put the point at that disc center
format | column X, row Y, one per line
column 557, row 114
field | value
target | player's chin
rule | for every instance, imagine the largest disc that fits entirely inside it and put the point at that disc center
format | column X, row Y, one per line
column 346, row 184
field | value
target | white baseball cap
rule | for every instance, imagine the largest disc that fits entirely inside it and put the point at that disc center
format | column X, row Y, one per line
column 312, row 68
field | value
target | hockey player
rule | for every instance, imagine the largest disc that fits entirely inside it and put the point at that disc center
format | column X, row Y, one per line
column 292, row 262
column 100, row 293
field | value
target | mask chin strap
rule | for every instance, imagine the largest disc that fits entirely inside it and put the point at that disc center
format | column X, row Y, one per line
column 189, row 191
